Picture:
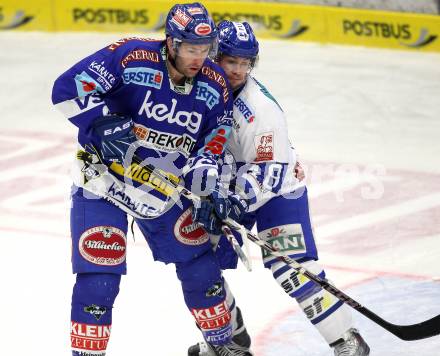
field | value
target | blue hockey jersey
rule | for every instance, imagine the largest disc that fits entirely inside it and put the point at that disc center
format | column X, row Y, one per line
column 130, row 77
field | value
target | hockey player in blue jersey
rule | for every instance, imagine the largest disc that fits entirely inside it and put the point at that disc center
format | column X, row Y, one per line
column 140, row 103
column 272, row 180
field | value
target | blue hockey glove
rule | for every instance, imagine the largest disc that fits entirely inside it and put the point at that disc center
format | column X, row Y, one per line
column 116, row 134
column 237, row 206
column 211, row 211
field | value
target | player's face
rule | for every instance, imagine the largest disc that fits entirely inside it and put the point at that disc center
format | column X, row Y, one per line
column 190, row 58
column 236, row 69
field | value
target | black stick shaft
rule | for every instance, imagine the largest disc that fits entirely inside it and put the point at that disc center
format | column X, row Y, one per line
column 418, row 331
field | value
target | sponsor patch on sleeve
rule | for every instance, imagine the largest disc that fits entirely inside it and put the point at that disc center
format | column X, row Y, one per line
column 264, row 145
column 86, row 85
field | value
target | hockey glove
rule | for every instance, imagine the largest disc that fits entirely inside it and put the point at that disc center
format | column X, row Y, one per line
column 116, row 134
column 237, row 207
column 211, row 211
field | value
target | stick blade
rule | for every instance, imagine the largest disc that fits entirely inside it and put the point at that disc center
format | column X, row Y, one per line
column 423, row 330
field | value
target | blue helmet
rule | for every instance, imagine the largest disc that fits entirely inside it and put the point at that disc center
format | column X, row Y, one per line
column 237, row 39
column 190, row 23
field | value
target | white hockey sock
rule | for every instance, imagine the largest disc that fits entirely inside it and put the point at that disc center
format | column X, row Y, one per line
column 327, row 313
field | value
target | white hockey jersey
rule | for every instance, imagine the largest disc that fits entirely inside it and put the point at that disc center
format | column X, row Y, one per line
column 260, row 145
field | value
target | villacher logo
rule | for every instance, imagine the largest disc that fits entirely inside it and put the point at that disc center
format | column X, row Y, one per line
column 18, row 19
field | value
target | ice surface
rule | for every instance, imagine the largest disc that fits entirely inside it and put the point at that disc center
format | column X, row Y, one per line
column 365, row 123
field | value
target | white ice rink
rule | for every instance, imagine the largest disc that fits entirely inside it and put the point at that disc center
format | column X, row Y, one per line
column 366, row 124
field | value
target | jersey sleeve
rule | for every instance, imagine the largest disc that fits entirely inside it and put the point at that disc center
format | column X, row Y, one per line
column 262, row 149
column 79, row 93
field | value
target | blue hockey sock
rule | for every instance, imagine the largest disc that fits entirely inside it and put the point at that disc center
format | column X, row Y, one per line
column 91, row 318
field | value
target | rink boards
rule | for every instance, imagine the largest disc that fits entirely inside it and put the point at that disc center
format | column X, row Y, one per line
column 292, row 22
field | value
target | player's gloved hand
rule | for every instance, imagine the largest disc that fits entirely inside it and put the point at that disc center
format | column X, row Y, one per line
column 116, row 134
column 201, row 178
column 238, row 207
column 211, row 211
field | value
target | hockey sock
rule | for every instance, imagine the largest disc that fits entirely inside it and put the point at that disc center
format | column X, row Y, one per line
column 327, row 313
column 92, row 302
column 207, row 298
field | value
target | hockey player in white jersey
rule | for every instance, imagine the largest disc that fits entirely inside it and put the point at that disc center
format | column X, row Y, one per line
column 270, row 176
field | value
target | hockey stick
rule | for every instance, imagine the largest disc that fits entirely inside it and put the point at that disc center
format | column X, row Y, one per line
column 97, row 169
column 418, row 331
column 425, row 329
column 237, row 248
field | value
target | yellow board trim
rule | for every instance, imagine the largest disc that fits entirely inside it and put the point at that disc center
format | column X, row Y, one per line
column 292, row 22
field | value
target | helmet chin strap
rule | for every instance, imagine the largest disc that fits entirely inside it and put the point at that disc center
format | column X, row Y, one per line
column 172, row 60
column 186, row 84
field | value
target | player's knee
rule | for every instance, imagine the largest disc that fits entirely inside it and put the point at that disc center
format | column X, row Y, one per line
column 93, row 297
column 201, row 279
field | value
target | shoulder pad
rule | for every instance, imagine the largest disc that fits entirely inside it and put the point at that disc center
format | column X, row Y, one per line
column 216, row 76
